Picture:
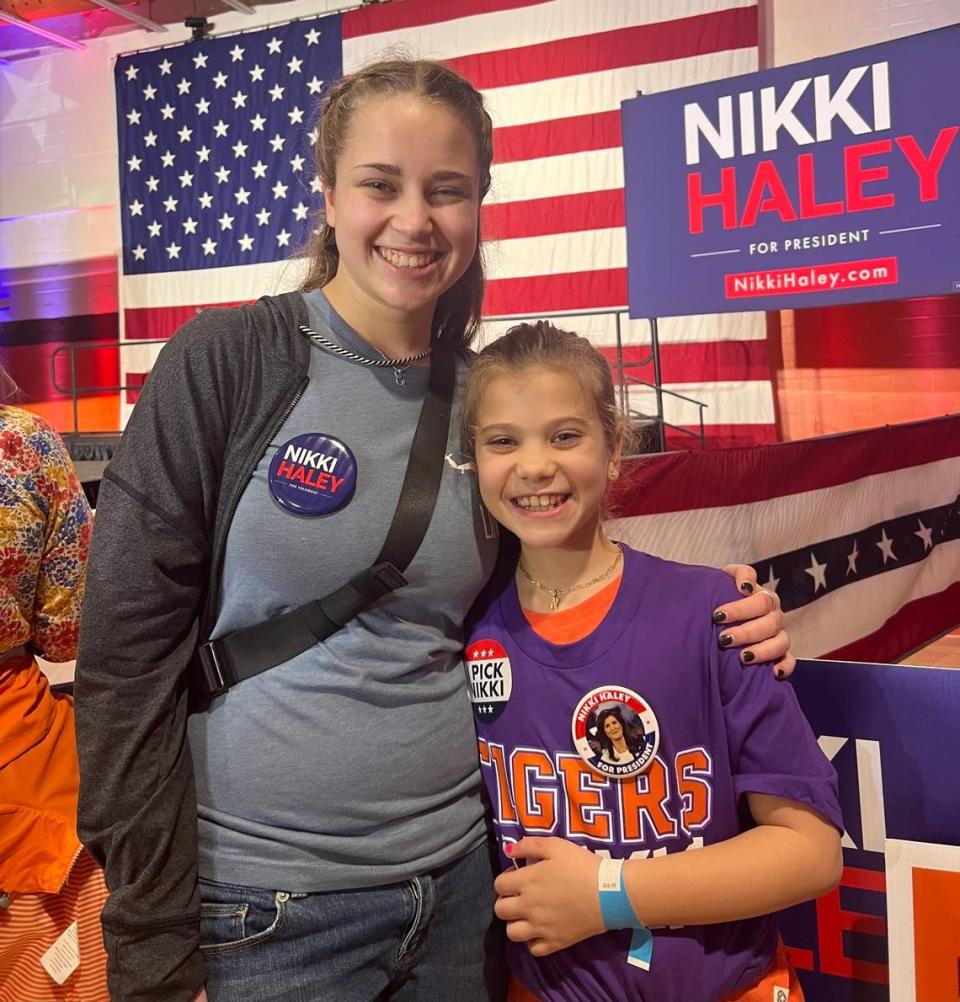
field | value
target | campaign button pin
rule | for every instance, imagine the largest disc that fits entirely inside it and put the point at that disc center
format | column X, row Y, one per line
column 615, row 731
column 313, row 475
column 489, row 678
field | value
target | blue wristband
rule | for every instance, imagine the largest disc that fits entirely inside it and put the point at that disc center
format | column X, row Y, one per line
column 617, row 912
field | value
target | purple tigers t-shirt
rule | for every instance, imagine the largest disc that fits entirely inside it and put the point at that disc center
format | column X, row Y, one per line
column 699, row 731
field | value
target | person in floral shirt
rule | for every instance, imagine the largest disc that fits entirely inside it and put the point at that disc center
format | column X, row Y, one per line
column 47, row 881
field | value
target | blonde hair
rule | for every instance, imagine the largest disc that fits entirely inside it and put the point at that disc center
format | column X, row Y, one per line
column 540, row 345
column 457, row 316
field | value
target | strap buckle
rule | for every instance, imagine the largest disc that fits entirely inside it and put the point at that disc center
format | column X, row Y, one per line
column 212, row 677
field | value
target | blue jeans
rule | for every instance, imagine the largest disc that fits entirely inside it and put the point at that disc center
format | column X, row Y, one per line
column 430, row 939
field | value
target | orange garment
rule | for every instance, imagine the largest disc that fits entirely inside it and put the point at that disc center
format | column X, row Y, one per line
column 49, row 881
column 566, row 626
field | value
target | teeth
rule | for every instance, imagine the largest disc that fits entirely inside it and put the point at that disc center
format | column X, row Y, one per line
column 541, row 500
column 399, row 260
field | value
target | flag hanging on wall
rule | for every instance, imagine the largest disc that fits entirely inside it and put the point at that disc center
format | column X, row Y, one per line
column 858, row 534
column 217, row 223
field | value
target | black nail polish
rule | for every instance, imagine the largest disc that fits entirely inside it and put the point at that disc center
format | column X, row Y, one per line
column 780, row 675
column 747, row 657
column 719, row 616
column 725, row 640
column 747, row 588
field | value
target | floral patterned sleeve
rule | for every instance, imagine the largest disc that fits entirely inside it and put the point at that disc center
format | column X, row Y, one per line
column 45, row 527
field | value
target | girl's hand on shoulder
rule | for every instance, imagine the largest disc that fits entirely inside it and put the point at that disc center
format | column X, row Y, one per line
column 761, row 634
column 553, row 901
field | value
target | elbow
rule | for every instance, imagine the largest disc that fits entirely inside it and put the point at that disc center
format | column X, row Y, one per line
column 830, row 870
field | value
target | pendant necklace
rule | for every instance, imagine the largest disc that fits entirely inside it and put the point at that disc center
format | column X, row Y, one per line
column 399, row 365
column 557, row 593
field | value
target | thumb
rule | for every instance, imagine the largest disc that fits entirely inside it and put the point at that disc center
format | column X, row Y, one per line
column 532, row 848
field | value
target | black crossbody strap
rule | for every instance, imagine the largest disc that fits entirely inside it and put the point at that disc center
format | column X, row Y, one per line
column 224, row 662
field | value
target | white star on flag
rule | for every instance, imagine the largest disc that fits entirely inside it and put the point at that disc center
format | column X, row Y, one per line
column 133, row 117
column 203, row 154
column 150, row 139
column 222, row 175
column 200, row 60
column 239, row 99
column 273, row 46
column 259, row 169
column 165, row 68
column 202, row 106
column 206, row 200
column 226, row 222
column 312, row 36
column 246, row 242
column 277, row 143
column 283, row 238
column 220, row 80
column 132, row 72
column 136, row 208
column 242, row 196
column 134, row 163
column 279, row 190
column 167, row 158
column 221, row 129
column 818, row 572
column 315, row 85
column 256, row 74
column 294, row 65
column 236, row 54
column 852, row 559
column 154, row 228
column 170, row 204
column 139, row 252
column 190, row 225
column 149, row 92
column 771, row 583
column 276, row 92
column 173, row 250
column 263, row 217
column 925, row 535
column 167, row 111
column 886, row 546
column 185, row 133
column 209, row 246
column 295, row 115
column 183, row 87
column 257, row 123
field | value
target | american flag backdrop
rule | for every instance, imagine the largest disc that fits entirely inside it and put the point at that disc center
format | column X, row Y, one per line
column 217, row 185
column 858, row 534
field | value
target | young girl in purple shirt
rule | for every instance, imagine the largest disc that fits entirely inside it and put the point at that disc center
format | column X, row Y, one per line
column 612, row 719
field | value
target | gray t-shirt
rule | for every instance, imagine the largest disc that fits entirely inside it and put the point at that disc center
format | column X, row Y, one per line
column 353, row 764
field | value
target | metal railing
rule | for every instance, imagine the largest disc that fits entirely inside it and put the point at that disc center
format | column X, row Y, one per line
column 624, row 380
column 74, row 390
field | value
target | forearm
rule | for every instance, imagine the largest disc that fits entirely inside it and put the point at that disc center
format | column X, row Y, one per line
column 757, row 872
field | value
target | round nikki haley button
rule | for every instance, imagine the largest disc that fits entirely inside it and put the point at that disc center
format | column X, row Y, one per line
column 313, row 475
column 489, row 677
column 615, row 731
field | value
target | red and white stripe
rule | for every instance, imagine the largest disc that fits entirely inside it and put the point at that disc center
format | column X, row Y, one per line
column 553, row 74
column 744, row 505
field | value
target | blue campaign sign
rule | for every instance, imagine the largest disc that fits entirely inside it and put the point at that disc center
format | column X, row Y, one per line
column 891, row 733
column 832, row 181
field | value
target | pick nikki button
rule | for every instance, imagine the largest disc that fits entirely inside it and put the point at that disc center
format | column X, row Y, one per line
column 313, row 475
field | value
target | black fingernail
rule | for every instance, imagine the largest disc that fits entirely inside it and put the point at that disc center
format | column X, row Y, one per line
column 725, row 640
column 747, row 587
column 780, row 675
column 719, row 616
column 747, row 657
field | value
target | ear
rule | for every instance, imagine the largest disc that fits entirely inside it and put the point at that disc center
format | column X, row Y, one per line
column 330, row 211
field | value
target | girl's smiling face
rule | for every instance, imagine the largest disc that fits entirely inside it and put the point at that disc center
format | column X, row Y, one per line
column 543, row 461
column 405, row 208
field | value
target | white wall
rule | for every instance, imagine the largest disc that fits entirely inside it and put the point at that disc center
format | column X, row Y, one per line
column 805, row 29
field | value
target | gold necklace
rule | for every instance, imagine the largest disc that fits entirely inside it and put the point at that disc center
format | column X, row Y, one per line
column 556, row 593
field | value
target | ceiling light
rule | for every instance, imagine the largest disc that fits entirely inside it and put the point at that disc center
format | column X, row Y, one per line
column 50, row 36
column 144, row 22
